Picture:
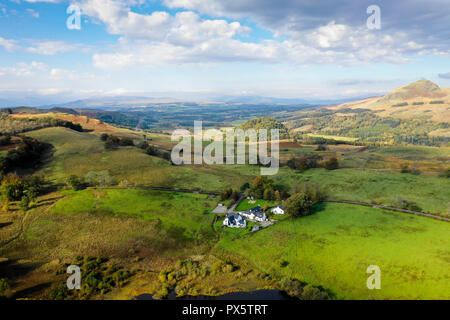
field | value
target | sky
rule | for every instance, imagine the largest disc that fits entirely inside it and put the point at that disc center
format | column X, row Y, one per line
column 204, row 49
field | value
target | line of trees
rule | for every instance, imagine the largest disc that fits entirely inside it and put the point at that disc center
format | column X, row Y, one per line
column 304, row 163
column 112, row 142
column 13, row 126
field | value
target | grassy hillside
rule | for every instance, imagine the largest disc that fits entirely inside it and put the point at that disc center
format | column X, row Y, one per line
column 334, row 247
column 416, row 100
column 188, row 212
column 81, row 152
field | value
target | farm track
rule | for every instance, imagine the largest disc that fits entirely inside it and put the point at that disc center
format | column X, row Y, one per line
column 22, row 226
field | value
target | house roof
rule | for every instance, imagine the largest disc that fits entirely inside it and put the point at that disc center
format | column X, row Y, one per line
column 234, row 218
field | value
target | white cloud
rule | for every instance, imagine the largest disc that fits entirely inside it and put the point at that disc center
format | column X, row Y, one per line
column 63, row 74
column 33, row 13
column 23, row 69
column 183, row 28
column 46, row 47
column 8, row 44
column 329, row 36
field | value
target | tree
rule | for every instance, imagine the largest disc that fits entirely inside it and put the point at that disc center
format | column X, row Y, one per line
column 75, row 183
column 12, row 187
column 298, row 205
column 284, row 195
column 331, row 164
column 277, row 195
column 258, row 181
column 103, row 137
column 151, row 151
column 244, row 187
column 268, row 194
column 24, row 203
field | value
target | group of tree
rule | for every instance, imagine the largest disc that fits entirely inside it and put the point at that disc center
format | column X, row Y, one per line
column 304, row 163
column 295, row 288
column 23, row 189
column 113, row 142
column 231, row 195
column 302, row 200
column 91, row 179
column 13, row 126
column 27, row 153
column 368, row 129
column 264, row 188
column 153, row 150
column 268, row 124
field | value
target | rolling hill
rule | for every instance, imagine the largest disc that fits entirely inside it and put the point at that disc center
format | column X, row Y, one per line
column 422, row 99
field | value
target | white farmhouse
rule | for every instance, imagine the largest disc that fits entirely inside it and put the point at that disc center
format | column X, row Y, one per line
column 235, row 221
column 255, row 214
column 278, row 210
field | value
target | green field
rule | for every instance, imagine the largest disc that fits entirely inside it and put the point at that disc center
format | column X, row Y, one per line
column 431, row 193
column 415, row 153
column 189, row 212
column 330, row 137
column 79, row 153
column 334, row 246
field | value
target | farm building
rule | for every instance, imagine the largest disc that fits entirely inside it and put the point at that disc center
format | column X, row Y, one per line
column 278, row 210
column 255, row 214
column 235, row 221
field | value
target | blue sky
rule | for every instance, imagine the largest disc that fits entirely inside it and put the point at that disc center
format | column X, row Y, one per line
column 201, row 49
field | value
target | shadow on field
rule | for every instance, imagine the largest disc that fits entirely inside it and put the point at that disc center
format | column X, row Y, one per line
column 28, row 291
column 13, row 268
column 5, row 224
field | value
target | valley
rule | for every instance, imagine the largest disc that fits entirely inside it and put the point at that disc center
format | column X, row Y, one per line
column 111, row 199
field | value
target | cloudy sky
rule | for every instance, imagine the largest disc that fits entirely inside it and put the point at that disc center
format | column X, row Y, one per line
column 207, row 48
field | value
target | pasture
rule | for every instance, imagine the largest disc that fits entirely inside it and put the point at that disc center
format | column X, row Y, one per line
column 334, row 246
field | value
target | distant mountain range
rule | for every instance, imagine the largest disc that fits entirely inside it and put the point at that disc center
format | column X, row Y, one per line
column 120, row 102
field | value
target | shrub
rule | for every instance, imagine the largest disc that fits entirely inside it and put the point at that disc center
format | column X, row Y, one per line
column 404, row 168
column 401, row 203
column 313, row 293
column 126, row 142
column 331, row 164
column 76, row 183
